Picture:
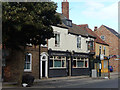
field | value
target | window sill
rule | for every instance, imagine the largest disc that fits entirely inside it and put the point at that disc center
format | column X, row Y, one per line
column 57, row 68
column 27, row 70
column 80, row 67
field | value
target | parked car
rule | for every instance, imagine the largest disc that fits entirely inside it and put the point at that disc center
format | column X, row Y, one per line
column 111, row 68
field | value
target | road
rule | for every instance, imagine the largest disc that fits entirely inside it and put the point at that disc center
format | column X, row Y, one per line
column 76, row 83
column 79, row 83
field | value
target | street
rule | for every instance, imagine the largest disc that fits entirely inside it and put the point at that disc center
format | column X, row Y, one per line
column 75, row 82
column 79, row 83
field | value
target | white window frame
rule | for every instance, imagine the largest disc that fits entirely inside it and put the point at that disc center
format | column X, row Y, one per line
column 79, row 37
column 58, row 42
column 55, row 58
column 29, row 70
column 102, row 37
column 84, row 59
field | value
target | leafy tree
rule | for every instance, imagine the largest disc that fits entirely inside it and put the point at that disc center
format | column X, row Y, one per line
column 27, row 22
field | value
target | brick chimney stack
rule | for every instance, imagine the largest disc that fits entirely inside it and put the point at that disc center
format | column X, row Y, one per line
column 65, row 8
column 95, row 28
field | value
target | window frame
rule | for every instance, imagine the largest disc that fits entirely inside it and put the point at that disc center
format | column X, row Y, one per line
column 55, row 58
column 104, row 50
column 81, row 59
column 79, row 46
column 102, row 37
column 28, row 70
column 100, row 50
column 58, row 39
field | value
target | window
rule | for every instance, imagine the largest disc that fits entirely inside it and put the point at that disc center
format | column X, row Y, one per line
column 80, row 62
column 78, row 42
column 58, row 62
column 103, row 37
column 104, row 50
column 99, row 50
column 68, row 22
column 57, row 39
column 90, row 45
column 28, row 62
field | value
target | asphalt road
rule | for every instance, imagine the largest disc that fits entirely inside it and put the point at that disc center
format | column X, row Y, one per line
column 79, row 83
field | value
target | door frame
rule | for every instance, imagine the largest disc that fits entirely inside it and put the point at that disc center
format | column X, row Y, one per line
column 44, row 57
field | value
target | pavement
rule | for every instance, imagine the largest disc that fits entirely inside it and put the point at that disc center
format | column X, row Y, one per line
column 49, row 80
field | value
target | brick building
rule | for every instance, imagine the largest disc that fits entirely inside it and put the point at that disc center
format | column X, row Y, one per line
column 13, row 66
column 111, row 37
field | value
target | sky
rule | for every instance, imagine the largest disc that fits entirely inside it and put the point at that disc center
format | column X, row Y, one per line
column 93, row 12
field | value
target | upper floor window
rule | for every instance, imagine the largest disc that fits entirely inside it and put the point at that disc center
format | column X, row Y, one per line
column 57, row 39
column 28, row 62
column 100, row 50
column 90, row 45
column 104, row 50
column 78, row 42
column 103, row 37
column 67, row 22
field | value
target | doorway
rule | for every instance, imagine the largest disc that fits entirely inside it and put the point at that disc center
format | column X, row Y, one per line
column 44, row 65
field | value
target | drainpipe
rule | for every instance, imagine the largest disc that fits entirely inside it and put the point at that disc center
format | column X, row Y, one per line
column 39, row 61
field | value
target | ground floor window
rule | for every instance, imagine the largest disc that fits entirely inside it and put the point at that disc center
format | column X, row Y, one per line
column 57, row 62
column 80, row 62
column 28, row 62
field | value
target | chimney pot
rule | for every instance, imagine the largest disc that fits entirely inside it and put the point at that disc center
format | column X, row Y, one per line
column 95, row 28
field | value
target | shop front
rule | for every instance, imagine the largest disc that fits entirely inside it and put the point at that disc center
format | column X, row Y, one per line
column 64, row 63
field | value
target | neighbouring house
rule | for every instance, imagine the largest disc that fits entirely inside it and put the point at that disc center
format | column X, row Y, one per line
column 100, row 48
column 32, row 63
column 111, row 37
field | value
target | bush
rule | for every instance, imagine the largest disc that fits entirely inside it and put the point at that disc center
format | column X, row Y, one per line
column 28, row 79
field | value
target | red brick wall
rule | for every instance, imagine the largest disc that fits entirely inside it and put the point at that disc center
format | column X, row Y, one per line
column 112, row 40
column 65, row 9
column 11, row 71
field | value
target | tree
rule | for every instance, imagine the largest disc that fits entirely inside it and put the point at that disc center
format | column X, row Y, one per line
column 27, row 22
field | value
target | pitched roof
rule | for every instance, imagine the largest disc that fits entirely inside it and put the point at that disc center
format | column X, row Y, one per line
column 112, row 31
column 75, row 29
column 98, row 39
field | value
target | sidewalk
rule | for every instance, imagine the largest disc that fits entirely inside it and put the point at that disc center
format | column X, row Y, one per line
column 13, row 84
column 61, row 78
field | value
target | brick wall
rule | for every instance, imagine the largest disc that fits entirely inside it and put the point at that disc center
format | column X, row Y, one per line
column 13, row 64
column 112, row 40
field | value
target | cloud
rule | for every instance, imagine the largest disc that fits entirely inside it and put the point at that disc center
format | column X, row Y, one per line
column 99, row 11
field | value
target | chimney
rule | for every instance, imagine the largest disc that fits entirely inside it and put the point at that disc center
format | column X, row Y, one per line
column 95, row 28
column 65, row 8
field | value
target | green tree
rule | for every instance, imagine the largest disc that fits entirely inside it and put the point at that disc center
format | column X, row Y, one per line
column 27, row 22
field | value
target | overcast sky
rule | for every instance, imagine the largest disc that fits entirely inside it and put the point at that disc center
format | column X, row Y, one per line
column 93, row 12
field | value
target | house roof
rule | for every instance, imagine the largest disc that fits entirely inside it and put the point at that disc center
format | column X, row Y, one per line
column 112, row 31
column 98, row 39
column 75, row 29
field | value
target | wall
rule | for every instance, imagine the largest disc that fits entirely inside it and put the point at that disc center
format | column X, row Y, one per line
column 67, row 41
column 102, row 46
column 112, row 40
column 11, row 71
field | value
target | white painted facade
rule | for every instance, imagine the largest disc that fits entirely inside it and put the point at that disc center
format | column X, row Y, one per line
column 68, row 41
